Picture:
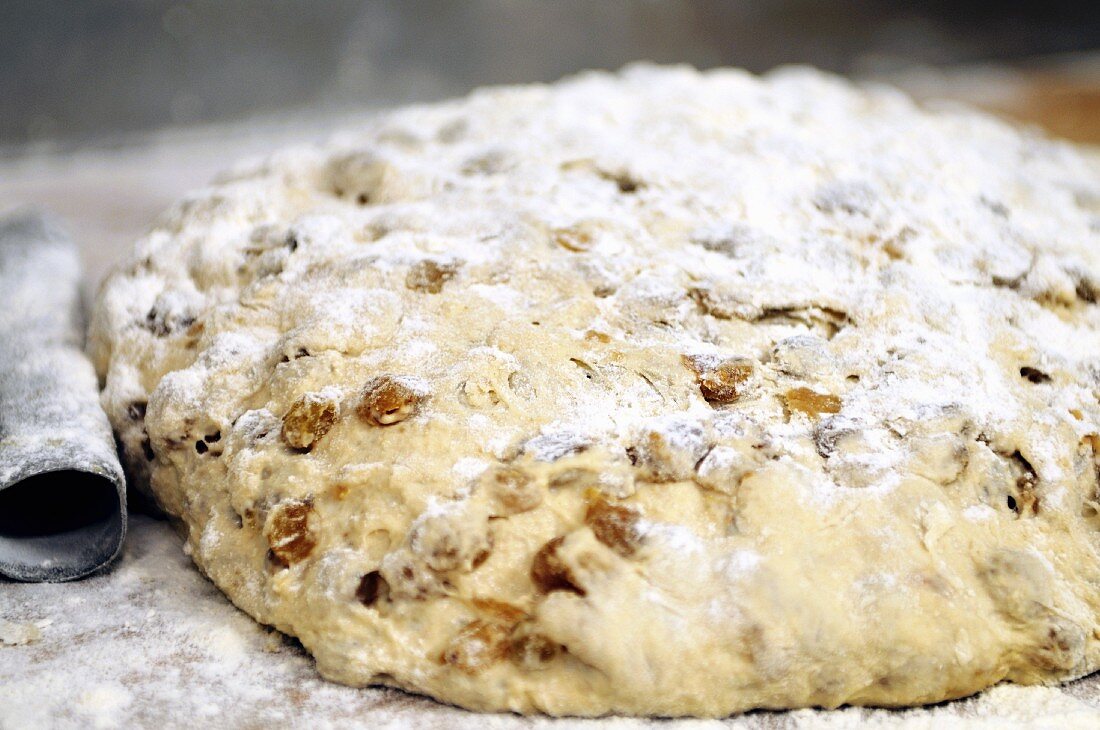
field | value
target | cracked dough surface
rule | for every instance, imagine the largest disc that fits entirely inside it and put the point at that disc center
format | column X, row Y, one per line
column 654, row 393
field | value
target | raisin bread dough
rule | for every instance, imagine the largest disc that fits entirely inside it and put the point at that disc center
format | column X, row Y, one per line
column 661, row 393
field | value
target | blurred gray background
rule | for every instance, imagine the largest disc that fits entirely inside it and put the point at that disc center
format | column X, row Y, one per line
column 74, row 73
column 113, row 109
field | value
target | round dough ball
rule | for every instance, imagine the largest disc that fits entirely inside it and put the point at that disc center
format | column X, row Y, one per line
column 658, row 393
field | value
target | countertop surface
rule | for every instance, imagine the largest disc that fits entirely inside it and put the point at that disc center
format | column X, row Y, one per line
column 151, row 643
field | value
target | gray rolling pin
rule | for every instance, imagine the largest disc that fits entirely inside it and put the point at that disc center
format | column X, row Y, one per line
column 62, row 491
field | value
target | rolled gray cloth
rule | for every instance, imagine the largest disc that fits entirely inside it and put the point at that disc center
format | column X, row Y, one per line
column 62, row 491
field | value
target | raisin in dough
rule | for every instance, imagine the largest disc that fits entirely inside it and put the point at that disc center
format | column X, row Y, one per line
column 660, row 393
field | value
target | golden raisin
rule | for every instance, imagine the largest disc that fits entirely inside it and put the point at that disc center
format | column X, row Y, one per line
column 532, row 651
column 386, row 400
column 289, row 535
column 550, row 573
column 573, row 478
column 714, row 303
column 811, row 402
column 614, row 526
column 505, row 612
column 477, row 645
column 479, row 559
column 574, row 238
column 308, row 420
column 372, row 587
column 430, row 276
column 513, row 490
column 721, row 381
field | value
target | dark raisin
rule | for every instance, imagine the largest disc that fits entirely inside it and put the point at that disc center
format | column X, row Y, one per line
column 632, row 455
column 372, row 587
column 626, row 184
column 1034, row 375
column 1087, row 290
column 623, row 181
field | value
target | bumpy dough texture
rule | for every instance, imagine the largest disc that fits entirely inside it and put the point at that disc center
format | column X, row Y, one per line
column 663, row 392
